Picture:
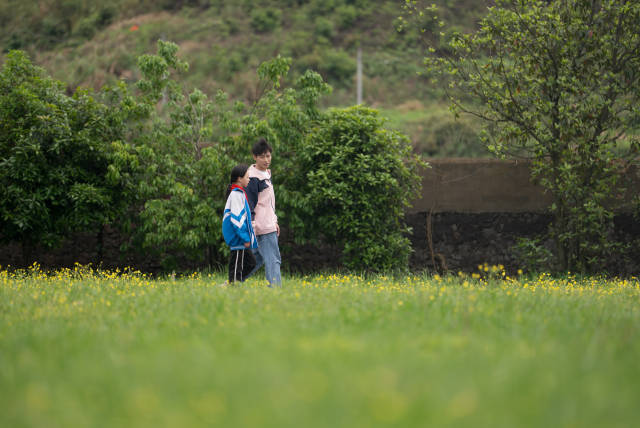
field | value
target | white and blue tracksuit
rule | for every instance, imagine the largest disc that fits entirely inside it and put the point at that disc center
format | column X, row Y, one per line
column 238, row 230
column 236, row 222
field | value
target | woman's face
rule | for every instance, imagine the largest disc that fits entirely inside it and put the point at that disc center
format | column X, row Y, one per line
column 244, row 180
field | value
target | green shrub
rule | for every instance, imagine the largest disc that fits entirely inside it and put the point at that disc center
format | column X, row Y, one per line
column 265, row 20
column 338, row 67
column 444, row 136
column 346, row 16
column 106, row 15
column 16, row 41
column 186, row 151
column 320, row 8
column 179, row 183
column 232, row 25
column 53, row 31
column 299, row 44
column 55, row 155
column 358, row 180
column 324, row 28
column 86, row 27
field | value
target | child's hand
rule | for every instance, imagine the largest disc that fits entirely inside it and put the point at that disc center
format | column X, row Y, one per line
column 247, row 244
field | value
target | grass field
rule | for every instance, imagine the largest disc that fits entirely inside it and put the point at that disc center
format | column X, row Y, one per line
column 89, row 349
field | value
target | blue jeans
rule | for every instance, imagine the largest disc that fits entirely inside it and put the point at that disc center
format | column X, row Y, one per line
column 268, row 254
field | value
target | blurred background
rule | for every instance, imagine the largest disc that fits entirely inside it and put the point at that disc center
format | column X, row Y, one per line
column 89, row 43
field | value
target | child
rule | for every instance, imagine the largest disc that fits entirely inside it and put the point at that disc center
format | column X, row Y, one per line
column 263, row 209
column 237, row 228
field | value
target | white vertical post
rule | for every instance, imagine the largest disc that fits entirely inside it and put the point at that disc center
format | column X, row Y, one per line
column 359, row 77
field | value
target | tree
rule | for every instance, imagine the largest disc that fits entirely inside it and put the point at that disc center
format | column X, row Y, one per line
column 171, row 166
column 55, row 153
column 285, row 116
column 187, row 149
column 340, row 175
column 557, row 82
column 356, row 179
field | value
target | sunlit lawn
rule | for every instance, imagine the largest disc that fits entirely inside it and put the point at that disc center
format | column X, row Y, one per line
column 89, row 349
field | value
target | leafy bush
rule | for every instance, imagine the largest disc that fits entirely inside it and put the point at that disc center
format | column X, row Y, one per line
column 186, row 152
column 86, row 27
column 324, row 28
column 15, row 41
column 346, row 16
column 181, row 174
column 548, row 80
column 335, row 172
column 338, row 67
column 164, row 154
column 533, row 254
column 53, row 31
column 55, row 154
column 320, row 8
column 265, row 20
column 299, row 44
column 358, row 179
column 106, row 14
column 447, row 137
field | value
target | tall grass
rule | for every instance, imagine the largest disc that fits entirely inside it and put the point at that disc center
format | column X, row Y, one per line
column 87, row 348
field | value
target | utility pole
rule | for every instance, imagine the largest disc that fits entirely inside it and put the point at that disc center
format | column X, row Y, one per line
column 359, row 77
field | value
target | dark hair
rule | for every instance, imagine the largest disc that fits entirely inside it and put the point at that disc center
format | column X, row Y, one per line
column 260, row 147
column 238, row 171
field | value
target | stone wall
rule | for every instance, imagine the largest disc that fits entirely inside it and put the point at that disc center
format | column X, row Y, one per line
column 479, row 185
column 462, row 241
column 471, row 211
column 102, row 248
column 489, row 186
column 479, row 208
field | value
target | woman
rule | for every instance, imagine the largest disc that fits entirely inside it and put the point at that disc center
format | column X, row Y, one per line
column 236, row 226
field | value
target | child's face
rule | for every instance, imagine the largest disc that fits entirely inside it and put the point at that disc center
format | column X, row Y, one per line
column 244, row 180
column 263, row 161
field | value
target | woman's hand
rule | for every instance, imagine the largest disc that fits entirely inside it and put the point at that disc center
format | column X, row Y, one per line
column 247, row 244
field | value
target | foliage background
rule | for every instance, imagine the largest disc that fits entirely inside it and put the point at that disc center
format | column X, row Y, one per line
column 55, row 152
column 170, row 159
column 87, row 44
column 555, row 82
column 163, row 156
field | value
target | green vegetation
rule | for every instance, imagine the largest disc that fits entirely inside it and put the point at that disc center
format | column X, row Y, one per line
column 435, row 132
column 81, row 348
column 559, row 83
column 555, row 81
column 154, row 161
column 54, row 158
column 337, row 169
column 87, row 44
column 359, row 178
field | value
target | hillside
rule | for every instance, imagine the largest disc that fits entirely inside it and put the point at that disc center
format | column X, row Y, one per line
column 86, row 44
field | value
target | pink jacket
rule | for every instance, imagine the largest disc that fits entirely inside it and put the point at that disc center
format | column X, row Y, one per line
column 262, row 201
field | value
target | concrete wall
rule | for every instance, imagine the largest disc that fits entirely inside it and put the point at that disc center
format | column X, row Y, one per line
column 477, row 210
column 486, row 185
